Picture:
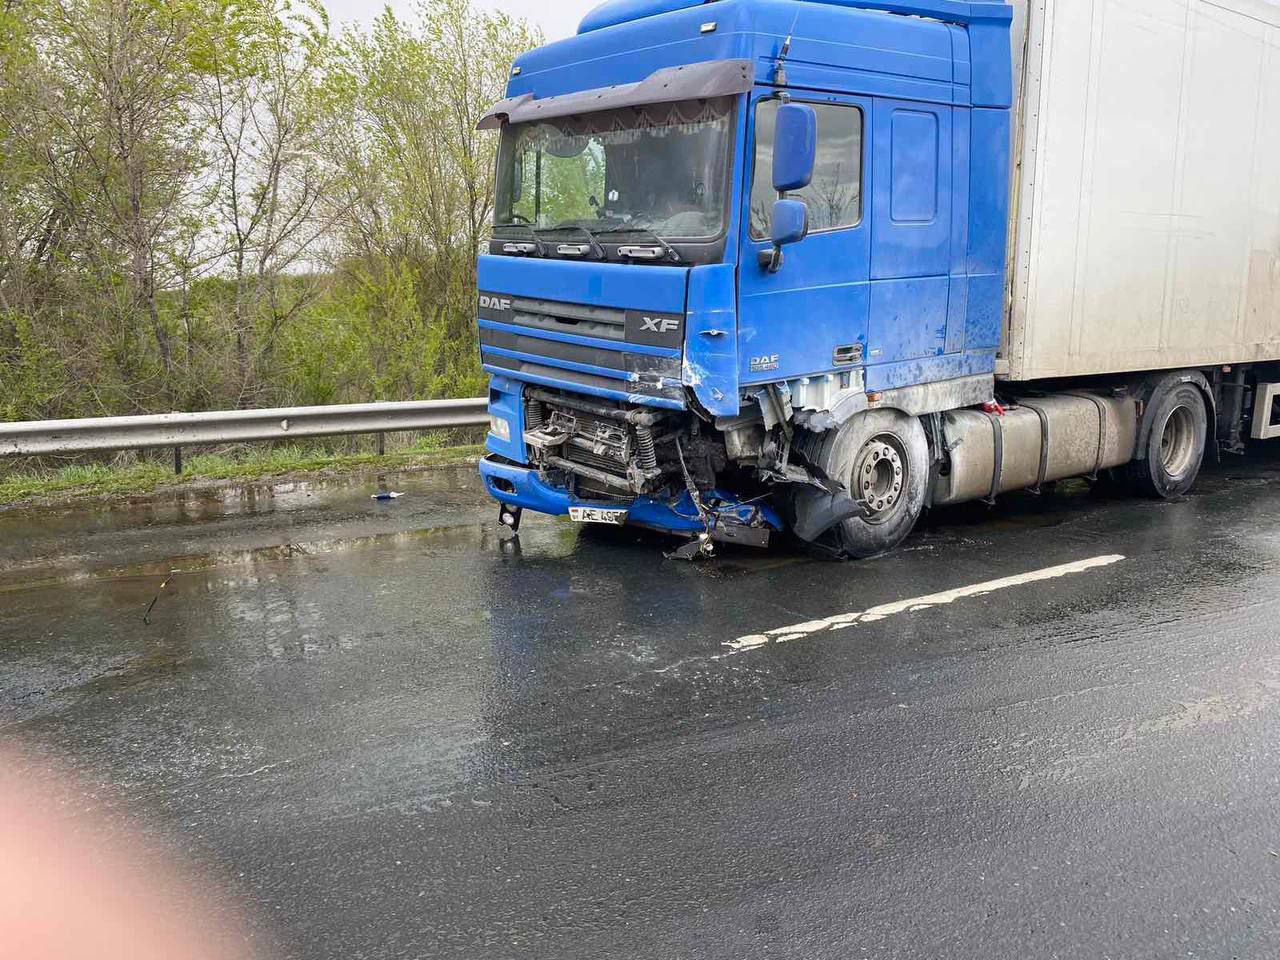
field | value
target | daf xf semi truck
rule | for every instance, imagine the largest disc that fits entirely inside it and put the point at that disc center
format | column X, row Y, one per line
column 815, row 266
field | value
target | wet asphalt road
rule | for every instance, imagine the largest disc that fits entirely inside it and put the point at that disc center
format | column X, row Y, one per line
column 389, row 736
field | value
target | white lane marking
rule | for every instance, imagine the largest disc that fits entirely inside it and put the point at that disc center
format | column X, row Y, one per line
column 841, row 621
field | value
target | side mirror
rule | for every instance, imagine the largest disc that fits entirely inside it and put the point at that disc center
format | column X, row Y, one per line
column 795, row 147
column 517, row 179
column 790, row 225
column 790, row 222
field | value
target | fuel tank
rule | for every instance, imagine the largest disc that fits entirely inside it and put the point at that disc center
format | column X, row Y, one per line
column 1038, row 440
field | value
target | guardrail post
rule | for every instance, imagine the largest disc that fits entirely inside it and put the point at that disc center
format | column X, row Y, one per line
column 177, row 461
column 382, row 444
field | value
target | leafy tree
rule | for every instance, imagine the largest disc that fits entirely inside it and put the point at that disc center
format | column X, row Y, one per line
column 416, row 191
column 208, row 203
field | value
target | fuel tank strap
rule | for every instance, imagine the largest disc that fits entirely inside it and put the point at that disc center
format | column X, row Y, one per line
column 1044, row 441
column 997, row 471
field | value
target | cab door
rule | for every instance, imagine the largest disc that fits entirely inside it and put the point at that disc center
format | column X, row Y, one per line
column 810, row 317
column 912, row 290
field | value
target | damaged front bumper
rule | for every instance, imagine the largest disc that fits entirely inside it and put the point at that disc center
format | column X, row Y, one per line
column 728, row 519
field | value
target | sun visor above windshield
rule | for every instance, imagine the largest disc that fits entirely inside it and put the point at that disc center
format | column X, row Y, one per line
column 695, row 81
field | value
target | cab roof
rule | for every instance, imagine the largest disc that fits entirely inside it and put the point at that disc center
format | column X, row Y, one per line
column 614, row 12
column 896, row 49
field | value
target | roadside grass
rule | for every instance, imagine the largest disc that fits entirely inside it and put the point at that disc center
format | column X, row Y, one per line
column 247, row 464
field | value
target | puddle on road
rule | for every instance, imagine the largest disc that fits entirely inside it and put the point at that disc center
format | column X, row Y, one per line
column 474, row 535
column 543, row 538
column 209, row 504
column 240, row 526
column 187, row 531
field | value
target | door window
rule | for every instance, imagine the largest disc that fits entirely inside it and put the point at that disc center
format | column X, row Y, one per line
column 834, row 198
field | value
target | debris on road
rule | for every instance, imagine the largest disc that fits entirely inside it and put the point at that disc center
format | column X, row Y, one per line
column 146, row 617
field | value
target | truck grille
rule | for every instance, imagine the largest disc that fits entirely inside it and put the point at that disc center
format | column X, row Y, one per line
column 580, row 346
column 580, row 319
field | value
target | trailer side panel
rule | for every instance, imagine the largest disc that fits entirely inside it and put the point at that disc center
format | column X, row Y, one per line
column 1147, row 200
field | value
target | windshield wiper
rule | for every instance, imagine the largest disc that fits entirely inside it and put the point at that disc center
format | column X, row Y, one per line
column 652, row 251
column 592, row 246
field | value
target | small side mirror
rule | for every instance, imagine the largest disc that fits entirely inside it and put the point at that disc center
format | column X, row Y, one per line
column 790, row 225
column 795, row 147
column 790, row 222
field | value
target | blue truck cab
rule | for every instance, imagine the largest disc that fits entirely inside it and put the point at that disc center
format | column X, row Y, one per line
column 745, row 255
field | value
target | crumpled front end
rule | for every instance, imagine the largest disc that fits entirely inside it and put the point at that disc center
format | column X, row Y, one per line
column 594, row 389
column 611, row 462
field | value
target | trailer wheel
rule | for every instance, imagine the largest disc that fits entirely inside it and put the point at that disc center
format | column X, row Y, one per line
column 1175, row 446
column 882, row 456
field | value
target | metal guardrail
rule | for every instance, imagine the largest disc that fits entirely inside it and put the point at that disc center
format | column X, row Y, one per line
column 178, row 430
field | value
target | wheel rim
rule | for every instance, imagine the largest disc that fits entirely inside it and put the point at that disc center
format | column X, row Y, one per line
column 880, row 477
column 1178, row 442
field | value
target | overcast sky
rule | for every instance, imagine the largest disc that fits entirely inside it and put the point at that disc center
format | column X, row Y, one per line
column 558, row 18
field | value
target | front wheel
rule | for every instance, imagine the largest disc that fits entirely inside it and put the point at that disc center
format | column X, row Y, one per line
column 1175, row 447
column 882, row 457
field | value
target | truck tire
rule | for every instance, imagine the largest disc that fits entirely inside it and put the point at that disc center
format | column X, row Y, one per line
column 1175, row 446
column 882, row 456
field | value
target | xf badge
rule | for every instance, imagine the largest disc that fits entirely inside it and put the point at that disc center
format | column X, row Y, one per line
column 659, row 324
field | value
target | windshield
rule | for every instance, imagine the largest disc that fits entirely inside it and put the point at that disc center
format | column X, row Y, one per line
column 661, row 169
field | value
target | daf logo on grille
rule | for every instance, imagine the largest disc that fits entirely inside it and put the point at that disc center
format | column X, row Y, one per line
column 494, row 303
column 659, row 324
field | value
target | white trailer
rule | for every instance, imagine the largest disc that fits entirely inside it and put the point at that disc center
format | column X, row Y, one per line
column 1142, row 316
column 1145, row 228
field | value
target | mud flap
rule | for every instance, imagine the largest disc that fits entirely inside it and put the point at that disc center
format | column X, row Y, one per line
column 817, row 511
